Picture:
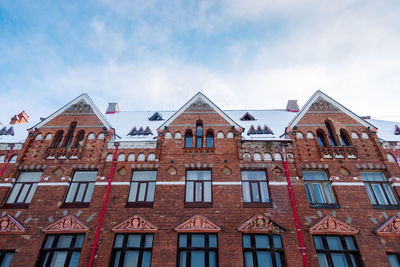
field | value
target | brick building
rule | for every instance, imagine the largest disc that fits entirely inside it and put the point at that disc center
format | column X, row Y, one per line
column 200, row 187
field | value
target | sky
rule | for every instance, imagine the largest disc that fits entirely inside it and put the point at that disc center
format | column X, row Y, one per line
column 242, row 54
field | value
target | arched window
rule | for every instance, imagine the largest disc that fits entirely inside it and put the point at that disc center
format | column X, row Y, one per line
column 57, row 139
column 331, row 133
column 80, row 137
column 210, row 139
column 321, row 138
column 189, row 139
column 344, row 137
column 70, row 134
column 199, row 134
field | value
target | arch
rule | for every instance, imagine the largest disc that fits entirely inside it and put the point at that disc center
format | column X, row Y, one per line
column 188, row 138
column 168, row 135
column 299, row 135
column 229, row 135
column 48, row 136
column 131, row 157
column 354, row 135
column 80, row 138
column 100, row 136
column 277, row 156
column 178, row 135
column 2, row 158
column 331, row 133
column 345, row 138
column 220, row 135
column 70, row 134
column 90, row 136
column 199, row 134
column 39, row 137
column 121, row 157
column 210, row 138
column 141, row 157
column 267, row 156
column 321, row 138
column 364, row 135
column 390, row 157
column 57, row 139
column 13, row 159
column 246, row 156
column 257, row 156
column 310, row 135
column 109, row 157
column 151, row 157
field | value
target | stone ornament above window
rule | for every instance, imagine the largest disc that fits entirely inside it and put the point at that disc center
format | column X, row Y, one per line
column 330, row 225
column 67, row 224
column 390, row 228
column 8, row 225
column 134, row 224
column 198, row 224
column 260, row 224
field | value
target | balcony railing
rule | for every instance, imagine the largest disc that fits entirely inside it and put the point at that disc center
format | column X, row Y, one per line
column 63, row 152
column 338, row 152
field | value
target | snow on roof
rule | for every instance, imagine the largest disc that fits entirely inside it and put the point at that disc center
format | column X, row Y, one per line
column 386, row 129
column 20, row 133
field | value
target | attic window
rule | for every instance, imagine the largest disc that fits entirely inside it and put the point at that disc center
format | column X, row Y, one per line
column 396, row 130
column 247, row 117
column 136, row 132
column 259, row 130
column 156, row 117
column 4, row 131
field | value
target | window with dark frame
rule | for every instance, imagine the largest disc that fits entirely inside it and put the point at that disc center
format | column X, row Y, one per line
column 335, row 251
column 132, row 250
column 262, row 250
column 209, row 139
column 199, row 134
column 189, row 139
column 142, row 188
column 318, row 188
column 331, row 133
column 81, row 188
column 197, row 250
column 6, row 257
column 24, row 188
column 198, row 186
column 394, row 259
column 378, row 188
column 61, row 250
column 255, row 187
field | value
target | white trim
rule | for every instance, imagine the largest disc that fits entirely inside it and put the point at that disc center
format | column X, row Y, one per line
column 112, row 183
column 396, row 184
column 55, row 183
column 347, row 184
column 83, row 96
column 6, row 185
column 170, row 183
column 314, row 97
column 226, row 183
column 199, row 95
column 277, row 183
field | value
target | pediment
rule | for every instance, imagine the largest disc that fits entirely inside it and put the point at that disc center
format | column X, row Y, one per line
column 66, row 224
column 390, row 228
column 260, row 224
column 198, row 224
column 9, row 225
column 135, row 223
column 330, row 225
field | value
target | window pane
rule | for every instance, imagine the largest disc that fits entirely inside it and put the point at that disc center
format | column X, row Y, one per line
column 146, row 261
column 7, row 260
column 350, row 243
column 254, row 175
column 59, row 258
column 264, row 259
column 81, row 191
column 148, row 242
column 246, row 241
column 393, row 261
column 79, row 241
column 248, row 259
column 133, row 192
column 31, row 193
column 85, row 176
column 119, row 239
column 64, row 241
column 142, row 191
column 314, row 176
column 380, row 197
column 197, row 259
column 256, row 193
column 198, row 240
column 71, row 192
column 182, row 259
column 212, row 241
column 264, row 192
column 318, row 242
column 131, row 258
column 14, row 193
column 74, row 259
column 278, row 259
column 29, row 177
column 353, row 260
column 89, row 192
column 277, row 241
column 144, row 176
column 199, row 191
column 212, row 259
column 134, row 241
column 373, row 176
column 389, row 194
column 49, row 241
column 370, row 195
column 329, row 193
column 334, row 243
column 182, row 240
column 309, row 194
column 189, row 191
column 210, row 141
column 339, row 259
column 150, row 192
column 322, row 260
column 188, row 141
column 262, row 241
column 207, row 191
column 117, row 258
column 246, row 192
column 23, row 193
column 319, row 194
column 198, row 175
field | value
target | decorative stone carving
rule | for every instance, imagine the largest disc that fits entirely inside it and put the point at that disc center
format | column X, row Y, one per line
column 67, row 224
column 226, row 170
column 391, row 227
column 171, row 171
column 260, row 224
column 198, row 224
column 8, row 225
column 135, row 223
column 199, row 105
column 322, row 104
column 331, row 225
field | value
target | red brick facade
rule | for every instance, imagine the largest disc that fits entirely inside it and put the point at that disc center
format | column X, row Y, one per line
column 352, row 215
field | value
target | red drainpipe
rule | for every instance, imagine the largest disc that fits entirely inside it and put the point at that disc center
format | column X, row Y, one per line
column 6, row 160
column 296, row 216
column 103, row 209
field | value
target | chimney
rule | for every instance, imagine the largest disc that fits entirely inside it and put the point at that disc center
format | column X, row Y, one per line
column 292, row 106
column 20, row 118
column 112, row 108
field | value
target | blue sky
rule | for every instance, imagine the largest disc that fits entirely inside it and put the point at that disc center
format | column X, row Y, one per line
column 157, row 54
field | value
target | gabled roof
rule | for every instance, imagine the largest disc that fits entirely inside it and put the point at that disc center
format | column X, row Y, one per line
column 319, row 94
column 197, row 97
column 82, row 97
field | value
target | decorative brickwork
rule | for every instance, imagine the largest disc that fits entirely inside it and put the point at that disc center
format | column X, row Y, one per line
column 390, row 228
column 67, row 224
column 198, row 224
column 331, row 225
column 8, row 225
column 260, row 224
column 135, row 223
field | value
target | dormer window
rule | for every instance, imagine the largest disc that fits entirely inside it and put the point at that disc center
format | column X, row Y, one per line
column 156, row 117
column 135, row 132
column 4, row 131
column 259, row 130
column 247, row 117
column 199, row 134
column 396, row 130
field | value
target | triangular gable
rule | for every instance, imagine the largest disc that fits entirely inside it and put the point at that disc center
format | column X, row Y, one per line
column 198, row 224
column 83, row 98
column 332, row 105
column 66, row 224
column 330, row 225
column 206, row 104
column 390, row 228
column 135, row 223
column 260, row 224
column 9, row 225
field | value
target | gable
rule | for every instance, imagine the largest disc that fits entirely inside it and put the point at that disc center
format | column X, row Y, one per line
column 8, row 225
column 390, row 228
column 330, row 225
column 198, row 224
column 321, row 103
column 135, row 223
column 66, row 224
column 82, row 105
column 260, row 224
column 199, row 104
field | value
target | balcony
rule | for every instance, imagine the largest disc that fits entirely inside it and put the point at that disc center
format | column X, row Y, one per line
column 338, row 152
column 63, row 152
